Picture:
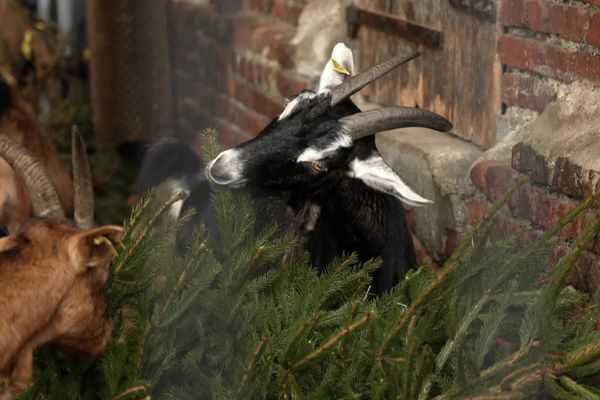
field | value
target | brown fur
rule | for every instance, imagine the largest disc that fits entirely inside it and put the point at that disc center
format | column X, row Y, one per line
column 20, row 124
column 52, row 278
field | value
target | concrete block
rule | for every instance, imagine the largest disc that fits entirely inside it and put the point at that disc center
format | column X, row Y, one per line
column 436, row 165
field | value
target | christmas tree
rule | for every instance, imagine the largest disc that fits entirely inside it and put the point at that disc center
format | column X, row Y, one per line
column 239, row 318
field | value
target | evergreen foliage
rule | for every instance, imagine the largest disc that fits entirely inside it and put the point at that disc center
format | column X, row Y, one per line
column 229, row 320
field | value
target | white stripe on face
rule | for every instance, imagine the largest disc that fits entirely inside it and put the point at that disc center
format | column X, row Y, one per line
column 312, row 153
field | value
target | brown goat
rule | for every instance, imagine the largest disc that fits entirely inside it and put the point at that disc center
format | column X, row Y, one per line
column 52, row 273
column 18, row 121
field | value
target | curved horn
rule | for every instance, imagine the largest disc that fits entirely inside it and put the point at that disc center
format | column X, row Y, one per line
column 382, row 119
column 83, row 192
column 356, row 82
column 42, row 192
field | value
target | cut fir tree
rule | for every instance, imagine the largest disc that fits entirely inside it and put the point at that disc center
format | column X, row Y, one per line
column 232, row 320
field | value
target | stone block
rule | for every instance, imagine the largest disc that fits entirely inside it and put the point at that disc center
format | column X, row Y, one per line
column 436, row 165
column 561, row 148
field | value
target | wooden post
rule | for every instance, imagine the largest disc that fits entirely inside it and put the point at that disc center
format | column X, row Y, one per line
column 130, row 72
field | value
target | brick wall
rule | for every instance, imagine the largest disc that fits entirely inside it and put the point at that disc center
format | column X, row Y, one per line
column 545, row 45
column 232, row 66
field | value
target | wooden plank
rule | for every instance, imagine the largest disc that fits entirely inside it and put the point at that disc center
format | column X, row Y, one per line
column 413, row 32
column 460, row 81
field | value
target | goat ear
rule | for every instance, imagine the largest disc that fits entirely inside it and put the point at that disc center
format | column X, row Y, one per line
column 375, row 173
column 338, row 68
column 94, row 247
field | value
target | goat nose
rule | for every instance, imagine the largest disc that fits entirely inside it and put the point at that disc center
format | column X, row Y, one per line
column 218, row 172
column 223, row 169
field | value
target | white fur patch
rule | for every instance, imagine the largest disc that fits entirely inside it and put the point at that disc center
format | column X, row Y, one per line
column 230, row 161
column 294, row 103
column 175, row 209
column 169, row 188
column 330, row 77
column 375, row 173
column 315, row 154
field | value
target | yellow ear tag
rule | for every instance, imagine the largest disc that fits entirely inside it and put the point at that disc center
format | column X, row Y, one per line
column 40, row 26
column 340, row 68
column 26, row 45
column 98, row 240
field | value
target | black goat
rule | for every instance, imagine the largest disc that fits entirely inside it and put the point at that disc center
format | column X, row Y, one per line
column 315, row 169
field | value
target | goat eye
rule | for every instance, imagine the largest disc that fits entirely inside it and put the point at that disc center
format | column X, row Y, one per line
column 3, row 231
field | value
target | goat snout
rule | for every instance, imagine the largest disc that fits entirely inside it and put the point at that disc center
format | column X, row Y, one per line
column 226, row 169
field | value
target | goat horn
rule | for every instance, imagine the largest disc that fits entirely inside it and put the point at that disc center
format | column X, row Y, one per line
column 356, row 82
column 42, row 192
column 83, row 193
column 382, row 119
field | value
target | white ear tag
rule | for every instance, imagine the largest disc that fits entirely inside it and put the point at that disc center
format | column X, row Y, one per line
column 339, row 67
column 375, row 173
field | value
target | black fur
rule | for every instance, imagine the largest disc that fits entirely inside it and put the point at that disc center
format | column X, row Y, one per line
column 5, row 97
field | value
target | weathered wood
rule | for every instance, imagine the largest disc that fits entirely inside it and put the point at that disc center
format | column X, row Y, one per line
column 460, row 81
column 357, row 17
column 485, row 9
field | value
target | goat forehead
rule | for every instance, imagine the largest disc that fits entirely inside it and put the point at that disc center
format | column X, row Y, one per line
column 301, row 100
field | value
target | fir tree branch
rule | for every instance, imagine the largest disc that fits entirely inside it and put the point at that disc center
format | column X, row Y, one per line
column 575, row 387
column 250, row 367
column 142, row 235
column 303, row 328
column 409, row 358
column 526, row 375
column 461, row 332
column 161, row 314
column 508, row 362
column 329, row 344
column 508, row 396
column 448, row 268
column 584, row 354
column 140, row 388
column 138, row 211
column 547, row 301
column 557, row 391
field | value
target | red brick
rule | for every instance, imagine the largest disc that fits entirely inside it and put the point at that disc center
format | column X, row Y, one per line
column 593, row 2
column 256, row 73
column 586, row 275
column 492, row 177
column 451, row 240
column 525, row 200
column 248, row 120
column 544, row 16
column 593, row 36
column 476, row 211
column 257, row 100
column 505, row 226
column 528, row 236
column 423, row 257
column 288, row 85
column 549, row 60
column 287, row 13
column 271, row 40
column 526, row 92
column 573, row 230
column 550, row 209
column 511, row 12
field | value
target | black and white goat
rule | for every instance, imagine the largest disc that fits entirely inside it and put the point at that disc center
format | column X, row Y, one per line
column 315, row 169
